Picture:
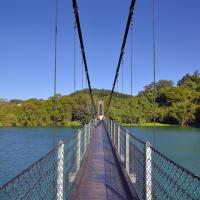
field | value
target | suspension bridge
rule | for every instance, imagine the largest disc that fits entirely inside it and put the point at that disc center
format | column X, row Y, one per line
column 103, row 160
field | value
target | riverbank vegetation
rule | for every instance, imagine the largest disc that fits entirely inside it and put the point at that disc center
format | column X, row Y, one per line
column 148, row 124
column 174, row 105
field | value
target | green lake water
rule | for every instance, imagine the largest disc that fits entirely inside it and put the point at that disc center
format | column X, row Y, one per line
column 20, row 147
column 179, row 144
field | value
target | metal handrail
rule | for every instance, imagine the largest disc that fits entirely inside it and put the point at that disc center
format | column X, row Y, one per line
column 53, row 175
column 153, row 175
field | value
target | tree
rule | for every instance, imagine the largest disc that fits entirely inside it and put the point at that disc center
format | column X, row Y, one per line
column 10, row 119
column 173, row 95
column 190, row 81
column 183, row 112
column 174, row 105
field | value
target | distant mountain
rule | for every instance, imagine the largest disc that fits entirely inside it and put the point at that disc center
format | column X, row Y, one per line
column 4, row 100
column 100, row 93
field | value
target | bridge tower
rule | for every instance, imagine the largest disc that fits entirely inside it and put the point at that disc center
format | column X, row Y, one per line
column 100, row 109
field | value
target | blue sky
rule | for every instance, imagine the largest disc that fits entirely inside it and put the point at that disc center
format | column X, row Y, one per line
column 27, row 44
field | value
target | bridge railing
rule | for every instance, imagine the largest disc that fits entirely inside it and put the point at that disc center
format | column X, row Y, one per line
column 52, row 176
column 153, row 175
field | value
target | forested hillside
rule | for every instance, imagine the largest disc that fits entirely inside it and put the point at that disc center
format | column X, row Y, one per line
column 175, row 104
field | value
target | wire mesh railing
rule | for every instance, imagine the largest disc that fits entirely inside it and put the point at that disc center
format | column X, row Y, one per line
column 153, row 175
column 52, row 177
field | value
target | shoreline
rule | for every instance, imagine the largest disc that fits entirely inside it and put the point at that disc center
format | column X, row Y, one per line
column 74, row 124
column 149, row 124
column 77, row 124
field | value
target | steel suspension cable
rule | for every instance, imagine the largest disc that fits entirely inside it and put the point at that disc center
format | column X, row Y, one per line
column 117, row 84
column 82, row 72
column 154, row 63
column 131, row 57
column 131, row 9
column 74, row 55
column 55, row 62
column 122, row 66
column 83, row 52
column 154, row 71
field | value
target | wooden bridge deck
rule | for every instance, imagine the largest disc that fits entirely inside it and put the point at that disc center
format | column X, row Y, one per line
column 101, row 177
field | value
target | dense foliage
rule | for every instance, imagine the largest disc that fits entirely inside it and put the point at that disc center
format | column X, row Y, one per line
column 173, row 105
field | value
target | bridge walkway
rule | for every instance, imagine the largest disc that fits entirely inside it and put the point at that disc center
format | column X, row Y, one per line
column 101, row 177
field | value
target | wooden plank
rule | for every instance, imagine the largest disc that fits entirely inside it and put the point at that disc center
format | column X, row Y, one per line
column 100, row 178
